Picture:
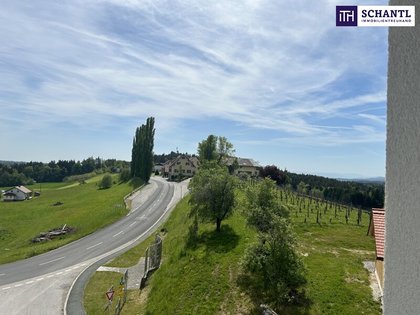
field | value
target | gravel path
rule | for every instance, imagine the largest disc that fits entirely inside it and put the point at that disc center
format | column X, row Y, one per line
column 376, row 290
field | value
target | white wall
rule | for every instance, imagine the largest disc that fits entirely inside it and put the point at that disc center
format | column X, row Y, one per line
column 402, row 190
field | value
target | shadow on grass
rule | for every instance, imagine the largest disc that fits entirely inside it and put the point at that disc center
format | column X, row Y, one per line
column 301, row 304
column 136, row 182
column 213, row 241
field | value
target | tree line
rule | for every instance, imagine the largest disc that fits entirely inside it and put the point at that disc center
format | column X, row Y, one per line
column 27, row 173
column 364, row 195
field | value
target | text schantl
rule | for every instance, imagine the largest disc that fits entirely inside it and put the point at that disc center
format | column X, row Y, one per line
column 386, row 14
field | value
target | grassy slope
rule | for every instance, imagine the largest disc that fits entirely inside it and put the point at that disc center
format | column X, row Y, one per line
column 206, row 279
column 85, row 208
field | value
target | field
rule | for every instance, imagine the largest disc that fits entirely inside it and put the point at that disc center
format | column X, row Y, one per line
column 84, row 207
column 207, row 278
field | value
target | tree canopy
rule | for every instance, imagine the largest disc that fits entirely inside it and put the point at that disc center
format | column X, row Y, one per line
column 262, row 205
column 272, row 262
column 142, row 151
column 213, row 195
column 215, row 148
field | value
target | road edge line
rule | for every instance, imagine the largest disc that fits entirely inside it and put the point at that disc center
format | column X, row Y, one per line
column 168, row 208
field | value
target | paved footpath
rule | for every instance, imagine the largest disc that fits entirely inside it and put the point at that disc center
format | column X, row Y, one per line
column 47, row 294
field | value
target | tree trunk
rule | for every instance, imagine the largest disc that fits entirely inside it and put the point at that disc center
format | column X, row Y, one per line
column 218, row 224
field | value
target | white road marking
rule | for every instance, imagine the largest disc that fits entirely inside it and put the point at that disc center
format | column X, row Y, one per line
column 39, row 279
column 117, row 233
column 50, row 276
column 18, row 285
column 48, row 262
column 67, row 270
column 29, row 282
column 6, row 288
column 2, row 274
column 58, row 273
column 132, row 224
column 94, row 246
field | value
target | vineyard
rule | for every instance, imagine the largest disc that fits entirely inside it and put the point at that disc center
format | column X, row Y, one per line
column 308, row 209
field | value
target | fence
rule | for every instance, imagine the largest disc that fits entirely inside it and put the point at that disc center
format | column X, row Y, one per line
column 152, row 259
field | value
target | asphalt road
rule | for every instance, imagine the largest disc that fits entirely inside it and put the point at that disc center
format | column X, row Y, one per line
column 73, row 258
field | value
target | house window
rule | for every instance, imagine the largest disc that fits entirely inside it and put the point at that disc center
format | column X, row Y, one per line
column 186, row 163
column 177, row 163
column 189, row 171
column 176, row 171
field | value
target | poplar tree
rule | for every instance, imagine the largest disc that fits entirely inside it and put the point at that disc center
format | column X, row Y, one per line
column 142, row 152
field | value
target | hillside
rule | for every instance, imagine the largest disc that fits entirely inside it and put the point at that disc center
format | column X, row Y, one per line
column 207, row 278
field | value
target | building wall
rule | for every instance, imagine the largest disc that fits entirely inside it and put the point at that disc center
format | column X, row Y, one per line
column 183, row 166
column 251, row 170
column 19, row 195
column 379, row 269
column 402, row 189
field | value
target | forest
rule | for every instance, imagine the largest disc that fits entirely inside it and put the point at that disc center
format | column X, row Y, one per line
column 26, row 173
column 358, row 194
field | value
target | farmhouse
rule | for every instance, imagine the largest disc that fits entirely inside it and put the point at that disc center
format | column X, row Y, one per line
column 17, row 193
column 377, row 229
column 182, row 166
column 245, row 166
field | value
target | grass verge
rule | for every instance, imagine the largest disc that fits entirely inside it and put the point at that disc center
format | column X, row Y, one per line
column 206, row 278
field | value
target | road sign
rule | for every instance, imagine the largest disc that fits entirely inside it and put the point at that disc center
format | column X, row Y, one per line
column 110, row 295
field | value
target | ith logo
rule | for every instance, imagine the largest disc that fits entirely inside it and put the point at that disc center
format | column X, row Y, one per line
column 346, row 15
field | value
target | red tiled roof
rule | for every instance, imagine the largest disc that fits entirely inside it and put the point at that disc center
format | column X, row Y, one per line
column 379, row 229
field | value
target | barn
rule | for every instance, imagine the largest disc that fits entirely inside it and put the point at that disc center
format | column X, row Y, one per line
column 18, row 193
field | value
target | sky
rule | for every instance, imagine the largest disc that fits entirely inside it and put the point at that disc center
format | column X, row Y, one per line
column 277, row 78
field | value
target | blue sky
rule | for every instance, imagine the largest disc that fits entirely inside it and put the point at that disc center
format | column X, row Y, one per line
column 277, row 78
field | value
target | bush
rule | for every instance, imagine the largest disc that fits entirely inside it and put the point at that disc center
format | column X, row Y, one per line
column 106, row 182
column 274, row 264
column 125, row 175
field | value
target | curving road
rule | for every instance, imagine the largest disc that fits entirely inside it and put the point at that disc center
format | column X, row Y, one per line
column 68, row 262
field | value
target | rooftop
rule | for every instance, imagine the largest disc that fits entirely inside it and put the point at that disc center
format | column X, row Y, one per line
column 379, row 230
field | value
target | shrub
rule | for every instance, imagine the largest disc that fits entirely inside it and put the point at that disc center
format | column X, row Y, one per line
column 106, row 182
column 274, row 264
column 125, row 175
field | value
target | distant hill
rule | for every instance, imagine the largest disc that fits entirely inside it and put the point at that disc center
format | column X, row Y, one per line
column 372, row 180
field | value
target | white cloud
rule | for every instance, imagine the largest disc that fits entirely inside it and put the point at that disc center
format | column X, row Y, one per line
column 266, row 64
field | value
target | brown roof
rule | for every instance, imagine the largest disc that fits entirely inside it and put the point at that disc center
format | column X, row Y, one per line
column 379, row 230
column 192, row 160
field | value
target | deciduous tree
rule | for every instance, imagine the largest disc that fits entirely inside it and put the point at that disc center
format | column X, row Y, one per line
column 213, row 195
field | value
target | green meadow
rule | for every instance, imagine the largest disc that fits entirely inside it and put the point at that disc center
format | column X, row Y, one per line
column 84, row 207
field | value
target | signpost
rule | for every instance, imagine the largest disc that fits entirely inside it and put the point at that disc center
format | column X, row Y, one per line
column 109, row 295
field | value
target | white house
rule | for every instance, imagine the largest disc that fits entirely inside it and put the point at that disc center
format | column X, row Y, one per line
column 181, row 166
column 158, row 167
column 245, row 166
column 17, row 193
